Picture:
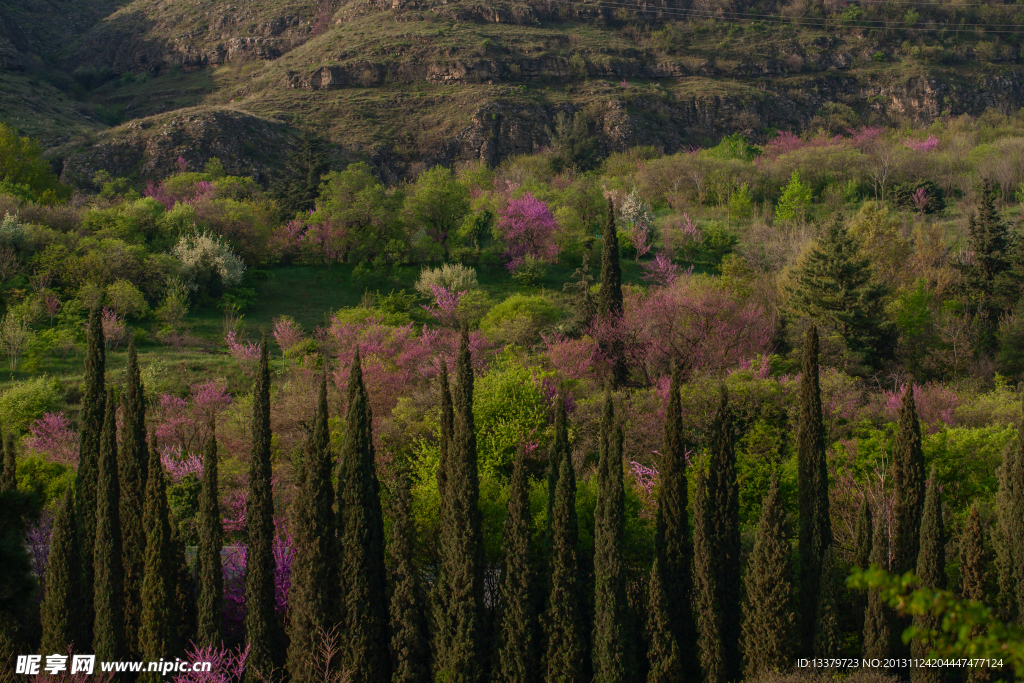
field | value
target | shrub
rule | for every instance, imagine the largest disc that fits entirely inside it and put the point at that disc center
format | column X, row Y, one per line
column 126, row 300
column 28, row 400
column 454, row 277
column 519, row 319
column 207, row 264
column 529, row 272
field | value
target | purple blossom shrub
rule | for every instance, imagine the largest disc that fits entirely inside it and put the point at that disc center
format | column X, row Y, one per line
column 927, row 145
column 529, row 229
column 446, row 305
column 52, row 437
column 245, row 353
column 661, row 271
column 226, row 665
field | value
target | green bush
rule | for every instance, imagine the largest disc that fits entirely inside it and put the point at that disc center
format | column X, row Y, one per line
column 519, row 319
column 43, row 481
column 530, row 272
column 27, row 400
column 508, row 406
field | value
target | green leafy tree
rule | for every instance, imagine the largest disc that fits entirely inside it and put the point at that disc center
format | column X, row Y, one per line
column 909, row 486
column 261, row 628
column 517, row 636
column 132, row 457
column 834, row 289
column 931, row 569
column 438, row 204
column 410, row 647
column 362, row 578
column 769, row 627
column 160, row 616
column 109, row 625
column 612, row 652
column 9, row 466
column 61, row 609
column 209, row 572
column 815, row 534
column 563, row 619
column 356, row 202
column 23, row 171
column 795, row 201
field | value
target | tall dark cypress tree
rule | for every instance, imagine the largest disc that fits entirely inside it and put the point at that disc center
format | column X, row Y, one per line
column 612, row 654
column 828, row 635
column 9, row 469
column 109, row 626
column 18, row 583
column 410, row 649
column 609, row 296
column 706, row 579
column 61, row 610
column 91, row 424
column 769, row 628
column 184, row 587
column 132, row 458
column 362, row 578
column 160, row 609
column 459, row 591
column 313, row 528
column 209, row 572
column 879, row 620
column 862, row 559
column 815, row 534
column 261, row 627
column 672, row 544
column 517, row 644
column 447, row 420
column 974, row 575
column 559, row 449
column 664, row 659
column 908, row 481
column 723, row 501
column 1009, row 531
column 563, row 627
column 931, row 569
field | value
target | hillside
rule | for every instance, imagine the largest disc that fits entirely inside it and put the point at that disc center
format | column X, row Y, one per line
column 410, row 84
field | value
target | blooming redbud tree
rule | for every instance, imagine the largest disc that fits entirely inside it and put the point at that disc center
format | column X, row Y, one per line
column 529, row 229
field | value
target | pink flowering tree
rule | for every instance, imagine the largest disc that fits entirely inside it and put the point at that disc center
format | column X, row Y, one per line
column 287, row 333
column 245, row 353
column 661, row 270
column 927, row 145
column 446, row 305
column 529, row 230
column 920, row 199
column 115, row 332
column 51, row 437
column 182, row 425
column 226, row 665
column 645, row 480
column 574, row 359
column 682, row 235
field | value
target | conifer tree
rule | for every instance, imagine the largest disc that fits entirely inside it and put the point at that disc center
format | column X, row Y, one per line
column 9, row 468
column 991, row 247
column 559, row 449
column 109, row 625
column 313, row 530
column 184, row 588
column 706, row 579
column 459, row 590
column 609, row 297
column 862, row 559
column 363, row 597
column 828, row 636
column 931, row 569
column 564, row 630
column 1009, row 531
column 908, row 484
column 664, row 658
column 769, row 627
column 447, row 420
column 209, row 572
column 672, row 544
column 723, row 504
column 18, row 583
column 61, row 610
column 834, row 289
column 160, row 619
column 974, row 575
column 517, row 644
column 879, row 623
column 132, row 458
column 93, row 409
column 612, row 656
column 815, row 534
column 261, row 628
column 410, row 649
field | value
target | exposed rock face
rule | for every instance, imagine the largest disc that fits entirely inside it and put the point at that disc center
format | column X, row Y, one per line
column 10, row 58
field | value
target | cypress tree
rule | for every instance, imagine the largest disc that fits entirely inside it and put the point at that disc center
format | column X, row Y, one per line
column 447, row 420
column 9, row 470
column 672, row 545
column 931, row 569
column 828, row 636
column 559, row 449
column 517, row 646
column 974, row 575
column 210, row 601
column 132, row 459
column 812, row 480
column 879, row 626
column 768, row 622
column 313, row 529
column 862, row 559
column 1009, row 531
column 706, row 579
column 564, row 659
column 724, row 506
column 93, row 409
column 908, row 481
column 363, row 597
column 109, row 625
column 160, row 620
column 664, row 656
column 184, row 588
column 459, row 590
column 410, row 650
column 16, row 579
column 261, row 629
column 61, row 612
column 612, row 656
column 609, row 297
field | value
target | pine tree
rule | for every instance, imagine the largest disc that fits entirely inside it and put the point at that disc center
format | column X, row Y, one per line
column 160, row 620
column 706, row 579
column 132, row 459
column 362, row 597
column 61, row 610
column 664, row 657
column 93, row 409
column 931, row 569
column 879, row 626
column 261, row 628
column 974, row 575
column 209, row 572
column 828, row 636
column 991, row 247
column 410, row 649
column 458, row 607
column 609, row 296
column 313, row 528
column 908, row 482
column 612, row 656
column 517, row 645
column 109, row 625
column 812, row 480
column 296, row 190
column 672, row 545
column 834, row 289
column 723, row 502
column 769, row 626
column 9, row 468
column 564, row 657
column 1009, row 531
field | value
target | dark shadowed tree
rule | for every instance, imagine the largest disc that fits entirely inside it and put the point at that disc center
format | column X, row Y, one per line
column 132, row 457
column 61, row 610
column 109, row 625
column 209, row 570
